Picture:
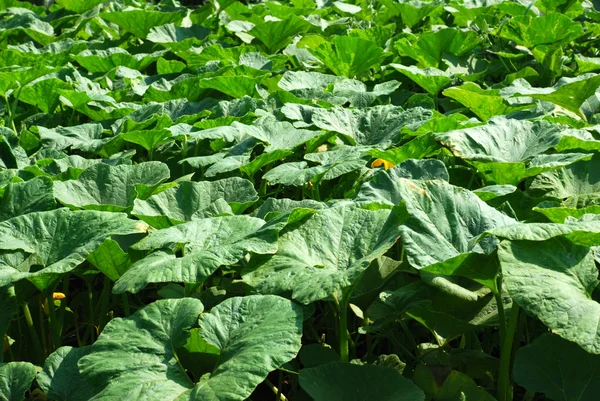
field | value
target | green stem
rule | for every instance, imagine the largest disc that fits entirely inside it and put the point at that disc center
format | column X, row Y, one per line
column 274, row 390
column 63, row 304
column 262, row 191
column 126, row 308
column 504, row 390
column 501, row 314
column 53, row 322
column 37, row 347
column 343, row 327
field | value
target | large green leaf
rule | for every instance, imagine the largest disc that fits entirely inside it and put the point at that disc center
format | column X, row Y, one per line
column 485, row 104
column 15, row 380
column 61, row 380
column 430, row 79
column 79, row 6
column 331, row 164
column 506, row 151
column 110, row 188
column 571, row 95
column 140, row 22
column 207, row 244
column 85, row 137
column 277, row 34
column 440, row 223
column 145, row 366
column 559, row 369
column 531, row 31
column 383, row 186
column 60, row 240
column 192, row 200
column 554, row 280
column 338, row 381
column 429, row 48
column 105, row 60
column 326, row 254
column 21, row 198
column 573, row 188
column 256, row 334
column 348, row 56
column 378, row 125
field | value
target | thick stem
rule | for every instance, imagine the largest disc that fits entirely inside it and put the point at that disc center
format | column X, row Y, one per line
column 343, row 324
column 37, row 347
column 501, row 314
column 504, row 390
column 126, row 308
column 53, row 322
column 275, row 390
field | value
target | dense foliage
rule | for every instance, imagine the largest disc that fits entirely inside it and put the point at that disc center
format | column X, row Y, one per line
column 360, row 200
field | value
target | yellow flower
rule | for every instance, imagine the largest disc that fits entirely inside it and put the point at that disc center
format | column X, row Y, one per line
column 58, row 295
column 380, row 162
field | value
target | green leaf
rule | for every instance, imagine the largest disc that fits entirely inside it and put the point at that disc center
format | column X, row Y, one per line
column 110, row 259
column 178, row 38
column 485, row 104
column 572, row 95
column 85, row 137
column 338, row 381
column 28, row 23
column 326, row 254
column 15, row 380
column 256, row 335
column 348, row 56
column 43, row 94
column 430, row 79
column 553, row 280
column 531, row 31
column 383, row 186
column 105, row 60
column 437, row 234
column 575, row 190
column 109, row 188
column 506, row 151
column 207, row 244
column 332, row 164
column 236, row 86
column 430, row 47
column 585, row 231
column 59, row 239
column 378, row 125
column 148, row 139
column 60, row 380
column 277, row 34
column 494, row 191
column 418, row 148
column 557, row 368
column 146, row 364
column 79, row 6
column 192, row 200
column 140, row 22
column 20, row 198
